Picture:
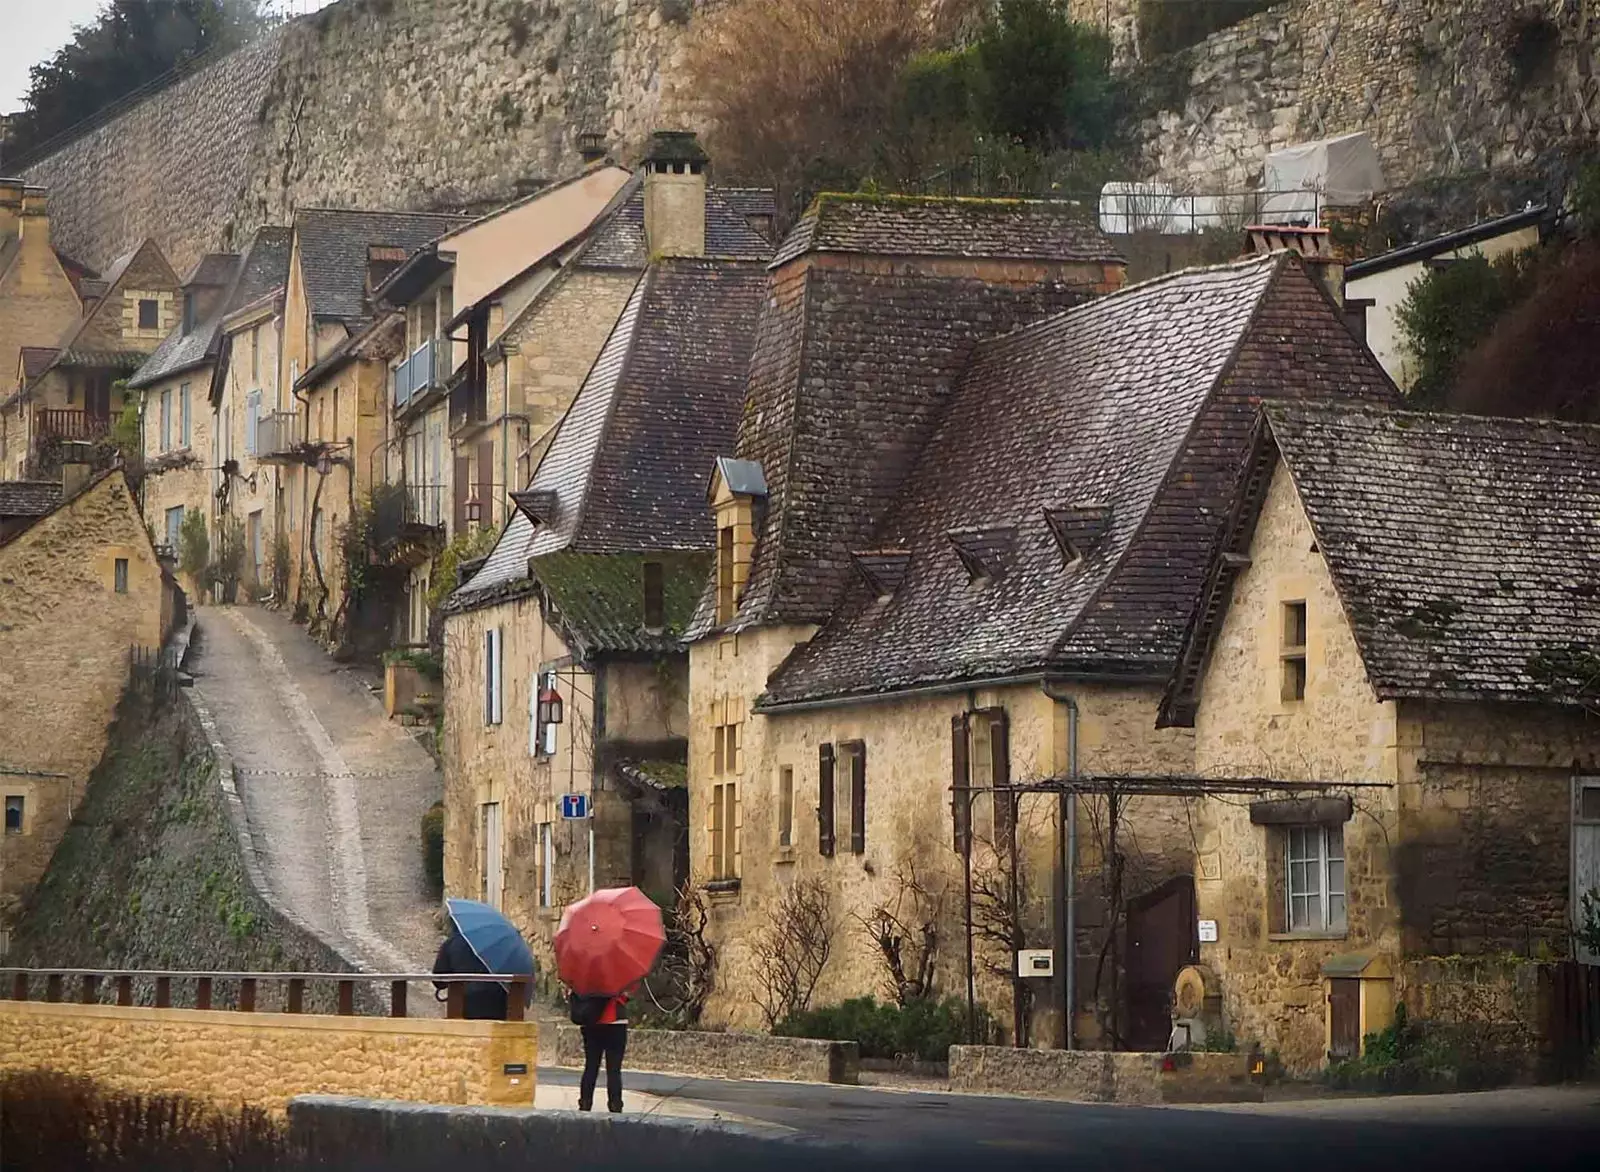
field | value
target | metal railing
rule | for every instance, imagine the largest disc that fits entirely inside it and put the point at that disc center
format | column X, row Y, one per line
column 417, row 373
column 277, row 434
column 425, row 504
column 69, row 424
column 117, row 987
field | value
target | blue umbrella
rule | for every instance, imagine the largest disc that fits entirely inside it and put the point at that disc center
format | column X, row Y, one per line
column 493, row 939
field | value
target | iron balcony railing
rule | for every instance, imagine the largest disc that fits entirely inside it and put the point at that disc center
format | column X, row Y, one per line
column 277, row 434
column 425, row 504
column 417, row 373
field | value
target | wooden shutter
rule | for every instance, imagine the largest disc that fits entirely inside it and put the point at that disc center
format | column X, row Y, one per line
column 858, row 799
column 825, row 801
column 960, row 779
column 486, row 482
column 462, row 488
column 735, row 832
column 1005, row 829
column 718, row 866
column 488, row 676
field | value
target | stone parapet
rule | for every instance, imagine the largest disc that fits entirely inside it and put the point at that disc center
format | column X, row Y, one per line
column 1103, row 1076
column 727, row 1055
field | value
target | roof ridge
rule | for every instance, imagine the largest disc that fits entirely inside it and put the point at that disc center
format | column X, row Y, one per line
column 1441, row 418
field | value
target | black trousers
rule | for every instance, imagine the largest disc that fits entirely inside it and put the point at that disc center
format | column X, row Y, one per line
column 608, row 1042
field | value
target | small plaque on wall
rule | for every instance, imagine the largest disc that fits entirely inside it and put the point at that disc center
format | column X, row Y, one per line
column 1208, row 931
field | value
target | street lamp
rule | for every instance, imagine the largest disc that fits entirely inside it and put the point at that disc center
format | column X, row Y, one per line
column 474, row 510
column 550, row 706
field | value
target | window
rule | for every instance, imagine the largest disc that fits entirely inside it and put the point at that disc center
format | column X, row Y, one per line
column 825, row 771
column 15, row 808
column 492, row 700
column 546, row 863
column 334, row 436
column 725, row 743
column 854, row 796
column 252, row 417
column 1293, row 651
column 725, row 574
column 149, row 314
column 119, row 576
column 188, row 313
column 981, row 799
column 786, row 806
column 1314, row 878
column 174, row 517
column 654, row 601
column 183, row 416
column 725, row 831
column 255, row 354
column 166, row 421
column 493, row 857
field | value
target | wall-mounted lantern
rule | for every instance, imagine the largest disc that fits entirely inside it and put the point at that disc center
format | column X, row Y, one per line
column 474, row 510
column 550, row 706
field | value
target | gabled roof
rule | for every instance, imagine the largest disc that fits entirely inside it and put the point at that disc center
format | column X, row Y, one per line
column 1465, row 550
column 215, row 270
column 930, row 226
column 849, row 375
column 618, row 239
column 625, row 469
column 1141, row 402
column 28, row 498
column 381, row 339
column 36, row 360
column 1449, row 242
column 333, row 252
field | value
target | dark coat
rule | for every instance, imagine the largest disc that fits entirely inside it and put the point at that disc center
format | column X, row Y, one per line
column 485, row 1000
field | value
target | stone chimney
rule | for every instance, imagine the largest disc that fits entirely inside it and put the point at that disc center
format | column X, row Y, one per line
column 591, row 149
column 675, row 194
column 1315, row 246
column 75, row 474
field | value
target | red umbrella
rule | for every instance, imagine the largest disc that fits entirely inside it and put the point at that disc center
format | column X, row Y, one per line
column 609, row 941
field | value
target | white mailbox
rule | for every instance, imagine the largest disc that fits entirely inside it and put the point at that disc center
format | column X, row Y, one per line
column 1036, row 962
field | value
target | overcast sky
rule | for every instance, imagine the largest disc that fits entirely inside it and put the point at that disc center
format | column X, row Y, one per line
column 32, row 30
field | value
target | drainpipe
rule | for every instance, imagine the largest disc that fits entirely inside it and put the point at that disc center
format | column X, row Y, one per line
column 1066, row 892
column 598, row 723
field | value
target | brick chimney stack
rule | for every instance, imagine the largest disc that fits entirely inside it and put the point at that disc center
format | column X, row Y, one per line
column 1315, row 246
column 675, row 194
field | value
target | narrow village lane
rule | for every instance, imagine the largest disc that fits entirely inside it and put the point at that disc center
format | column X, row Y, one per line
column 333, row 792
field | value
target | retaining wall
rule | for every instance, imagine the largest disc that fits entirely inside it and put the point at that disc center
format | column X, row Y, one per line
column 730, row 1055
column 1103, row 1076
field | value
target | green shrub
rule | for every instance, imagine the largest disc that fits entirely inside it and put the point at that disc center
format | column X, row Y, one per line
column 423, row 660
column 1450, row 310
column 433, row 848
column 923, row 1029
column 1413, row 1056
column 194, row 545
column 1169, row 26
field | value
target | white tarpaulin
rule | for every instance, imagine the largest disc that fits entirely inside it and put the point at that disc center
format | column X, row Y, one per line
column 1155, row 207
column 1334, row 172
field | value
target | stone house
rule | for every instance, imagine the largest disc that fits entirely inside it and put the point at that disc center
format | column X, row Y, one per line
column 174, row 384
column 992, row 592
column 1378, row 286
column 565, row 671
column 42, row 291
column 329, row 436
column 540, row 318
column 80, row 584
column 72, row 392
column 244, row 387
column 1398, row 609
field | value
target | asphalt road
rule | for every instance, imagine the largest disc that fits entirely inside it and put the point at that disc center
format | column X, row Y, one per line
column 891, row 1128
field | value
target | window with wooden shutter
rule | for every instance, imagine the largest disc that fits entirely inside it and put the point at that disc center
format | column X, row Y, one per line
column 463, row 486
column 858, row 797
column 735, row 821
column 486, row 483
column 1005, row 810
column 718, row 855
column 960, row 780
column 493, row 711
column 825, row 801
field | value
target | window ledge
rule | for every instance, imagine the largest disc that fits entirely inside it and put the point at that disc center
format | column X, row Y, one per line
column 723, row 890
column 1342, row 934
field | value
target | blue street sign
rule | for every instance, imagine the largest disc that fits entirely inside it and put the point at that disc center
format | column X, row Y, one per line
column 574, row 806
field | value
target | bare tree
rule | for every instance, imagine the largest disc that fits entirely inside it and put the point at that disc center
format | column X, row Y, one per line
column 792, row 949
column 905, row 929
column 685, row 976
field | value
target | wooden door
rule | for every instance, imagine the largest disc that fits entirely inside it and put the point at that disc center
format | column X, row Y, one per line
column 1160, row 940
column 1585, row 853
column 1344, row 1018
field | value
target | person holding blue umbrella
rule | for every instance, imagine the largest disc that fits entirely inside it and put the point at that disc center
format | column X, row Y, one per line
column 482, row 940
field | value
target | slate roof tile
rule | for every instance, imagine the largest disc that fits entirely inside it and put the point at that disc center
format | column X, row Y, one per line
column 618, row 241
column 936, row 226
column 29, row 498
column 1139, row 401
column 1466, row 550
column 333, row 252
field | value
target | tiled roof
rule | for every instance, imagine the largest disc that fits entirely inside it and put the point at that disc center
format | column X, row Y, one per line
column 123, row 360
column 597, row 599
column 848, row 378
column 36, row 360
column 34, row 498
column 178, row 352
column 1002, row 229
column 265, row 268
column 215, row 270
column 1465, row 550
column 333, row 252
column 618, row 240
column 100, row 324
column 1139, row 402
column 626, row 468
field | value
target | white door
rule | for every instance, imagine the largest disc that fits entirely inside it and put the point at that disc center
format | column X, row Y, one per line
column 493, row 855
column 1585, row 851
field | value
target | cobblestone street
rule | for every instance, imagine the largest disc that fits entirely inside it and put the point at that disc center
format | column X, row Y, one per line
column 332, row 791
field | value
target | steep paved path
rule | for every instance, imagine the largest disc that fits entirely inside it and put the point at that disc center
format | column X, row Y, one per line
column 333, row 792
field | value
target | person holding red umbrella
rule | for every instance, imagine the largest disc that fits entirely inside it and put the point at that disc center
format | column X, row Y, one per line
column 606, row 945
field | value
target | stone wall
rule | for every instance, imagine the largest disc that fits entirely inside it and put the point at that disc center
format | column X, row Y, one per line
column 1101, row 1076
column 1443, row 87
column 729, row 1055
column 267, row 1059
column 409, row 104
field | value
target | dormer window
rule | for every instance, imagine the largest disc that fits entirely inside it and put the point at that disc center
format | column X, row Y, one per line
column 984, row 553
column 725, row 565
column 736, row 486
column 883, row 569
column 538, row 505
column 1078, row 529
column 188, row 313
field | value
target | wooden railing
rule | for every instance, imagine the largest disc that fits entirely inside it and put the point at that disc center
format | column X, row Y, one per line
column 67, row 424
column 114, row 987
